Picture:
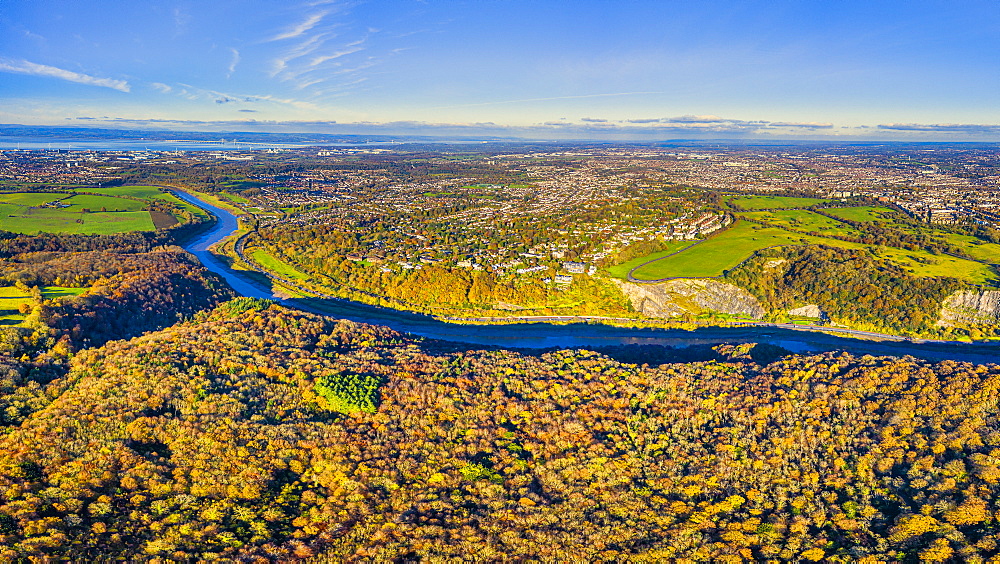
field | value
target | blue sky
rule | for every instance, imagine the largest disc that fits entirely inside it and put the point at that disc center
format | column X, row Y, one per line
column 544, row 69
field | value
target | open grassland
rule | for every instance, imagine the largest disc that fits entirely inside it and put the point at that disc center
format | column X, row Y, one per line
column 31, row 198
column 97, row 203
column 774, row 202
column 277, row 266
column 35, row 220
column 142, row 192
column 622, row 270
column 803, row 220
column 925, row 264
column 729, row 248
column 149, row 193
column 21, row 213
column 975, row 248
column 863, row 213
column 235, row 198
column 11, row 299
column 721, row 252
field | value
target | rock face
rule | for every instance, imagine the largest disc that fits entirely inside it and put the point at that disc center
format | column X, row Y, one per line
column 811, row 310
column 677, row 297
column 965, row 308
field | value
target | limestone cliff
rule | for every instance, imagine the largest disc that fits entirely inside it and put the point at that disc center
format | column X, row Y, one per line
column 970, row 308
column 811, row 310
column 677, row 297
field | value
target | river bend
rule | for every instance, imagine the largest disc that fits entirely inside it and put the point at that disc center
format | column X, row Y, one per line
column 581, row 335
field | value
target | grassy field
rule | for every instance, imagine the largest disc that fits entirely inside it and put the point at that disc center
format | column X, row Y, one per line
column 148, row 193
column 622, row 270
column 35, row 220
column 11, row 299
column 989, row 252
column 773, row 202
column 734, row 245
column 719, row 253
column 143, row 192
column 235, row 198
column 277, row 266
column 862, row 213
column 31, row 198
column 96, row 203
column 803, row 220
column 217, row 201
column 18, row 214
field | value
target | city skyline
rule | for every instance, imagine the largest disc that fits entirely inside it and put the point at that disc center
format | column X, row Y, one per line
column 553, row 70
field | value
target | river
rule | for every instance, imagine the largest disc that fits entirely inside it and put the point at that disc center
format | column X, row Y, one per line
column 582, row 335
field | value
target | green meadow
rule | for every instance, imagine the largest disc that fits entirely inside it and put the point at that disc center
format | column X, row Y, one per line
column 720, row 252
column 99, row 203
column 276, row 265
column 34, row 220
column 11, row 299
column 622, row 270
column 109, row 210
column 148, row 193
column 774, row 202
column 803, row 220
column 31, row 198
column 727, row 249
column 863, row 213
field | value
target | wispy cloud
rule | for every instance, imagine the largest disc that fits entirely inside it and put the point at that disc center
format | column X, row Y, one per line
column 801, row 124
column 348, row 50
column 310, row 22
column 181, row 20
column 195, row 93
column 26, row 67
column 233, row 62
column 966, row 128
column 306, row 47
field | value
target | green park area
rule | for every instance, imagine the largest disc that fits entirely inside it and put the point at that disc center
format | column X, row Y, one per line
column 774, row 202
column 148, row 193
column 720, row 252
column 141, row 192
column 276, row 265
column 87, row 211
column 73, row 219
column 728, row 248
column 975, row 248
column 235, row 198
column 622, row 270
column 863, row 213
column 803, row 220
column 101, row 203
column 12, row 298
column 32, row 198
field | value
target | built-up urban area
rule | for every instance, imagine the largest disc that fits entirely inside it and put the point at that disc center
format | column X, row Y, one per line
column 523, row 209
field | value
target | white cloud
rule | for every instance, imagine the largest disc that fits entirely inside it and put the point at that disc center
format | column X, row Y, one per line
column 165, row 88
column 232, row 63
column 352, row 48
column 35, row 69
column 302, row 27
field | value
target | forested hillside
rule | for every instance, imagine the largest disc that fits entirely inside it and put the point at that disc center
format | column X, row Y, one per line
column 119, row 294
column 257, row 433
column 851, row 286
